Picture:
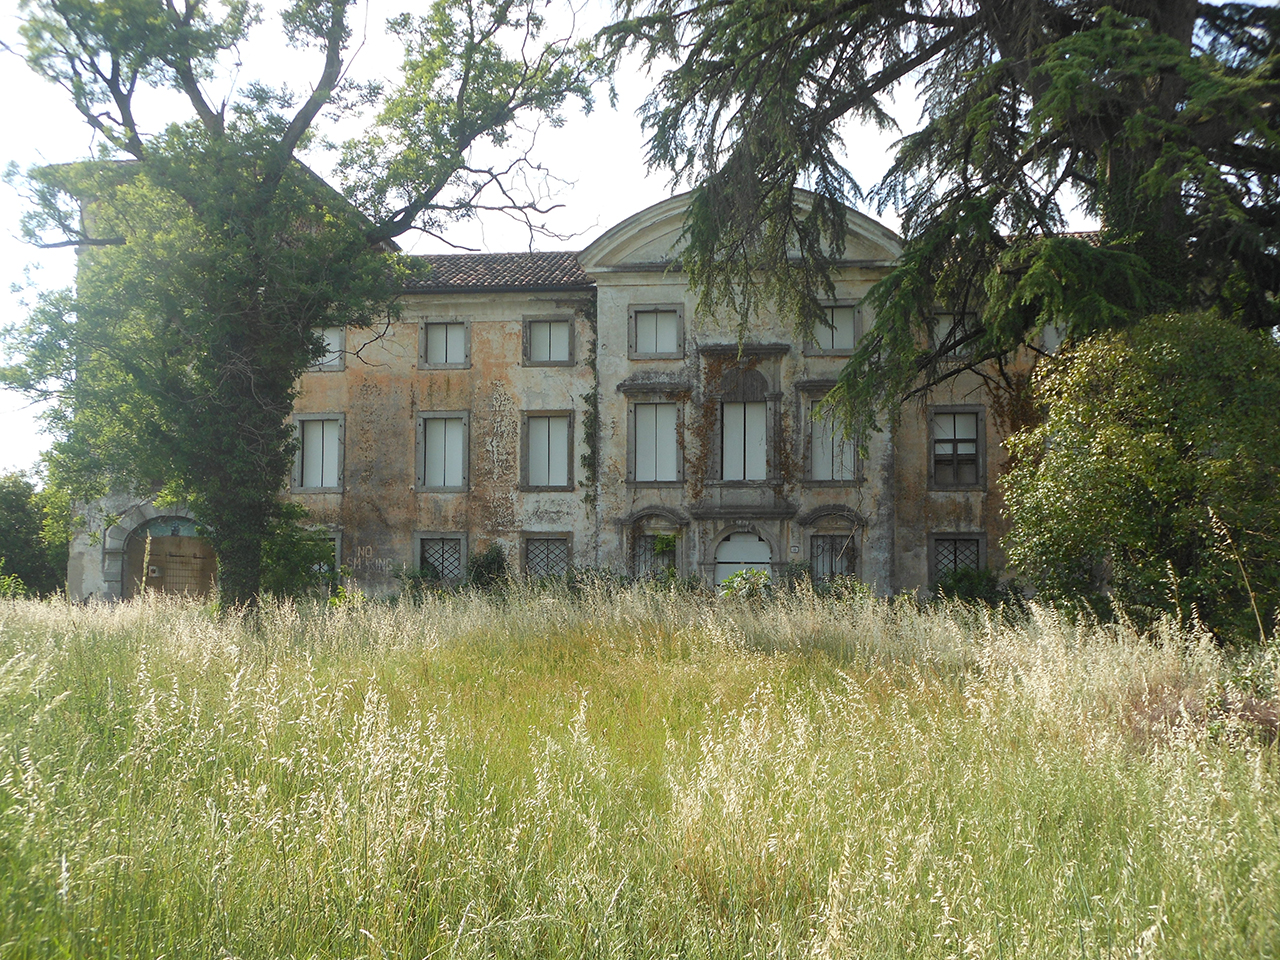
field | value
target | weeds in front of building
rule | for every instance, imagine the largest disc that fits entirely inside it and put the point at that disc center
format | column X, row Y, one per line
column 630, row 771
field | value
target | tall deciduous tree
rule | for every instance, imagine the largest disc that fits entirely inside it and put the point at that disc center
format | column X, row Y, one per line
column 1158, row 116
column 212, row 259
column 1156, row 473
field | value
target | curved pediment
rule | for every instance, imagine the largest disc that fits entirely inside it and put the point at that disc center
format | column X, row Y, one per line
column 651, row 239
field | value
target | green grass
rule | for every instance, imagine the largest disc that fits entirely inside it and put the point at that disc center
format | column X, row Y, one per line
column 625, row 774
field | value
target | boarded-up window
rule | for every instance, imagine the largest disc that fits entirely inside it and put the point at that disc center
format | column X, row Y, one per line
column 547, row 341
column 657, row 332
column 832, row 456
column 743, row 440
column 548, row 450
column 955, row 449
column 444, row 452
column 840, row 331
column 742, row 551
column 445, row 344
column 440, row 558
column 657, row 450
column 321, row 453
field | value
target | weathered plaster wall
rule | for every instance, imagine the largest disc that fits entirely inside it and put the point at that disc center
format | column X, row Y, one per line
column 382, row 390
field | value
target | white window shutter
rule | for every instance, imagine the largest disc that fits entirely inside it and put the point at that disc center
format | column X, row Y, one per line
column 539, row 450
column 646, row 332
column 756, row 458
column 734, row 441
column 666, row 332
column 646, row 442
column 455, row 342
column 329, row 467
column 821, row 452
column 312, row 452
column 434, row 452
column 558, row 340
column 454, row 452
column 558, row 451
column 666, row 448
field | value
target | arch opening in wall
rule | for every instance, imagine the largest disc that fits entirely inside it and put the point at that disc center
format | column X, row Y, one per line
column 654, row 544
column 165, row 554
column 833, row 535
column 743, row 550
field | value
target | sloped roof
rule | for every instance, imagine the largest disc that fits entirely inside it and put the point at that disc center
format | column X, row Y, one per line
column 499, row 272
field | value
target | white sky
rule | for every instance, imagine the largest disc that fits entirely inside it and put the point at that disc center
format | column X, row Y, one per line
column 600, row 155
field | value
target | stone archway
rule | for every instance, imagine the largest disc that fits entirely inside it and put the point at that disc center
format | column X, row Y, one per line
column 165, row 554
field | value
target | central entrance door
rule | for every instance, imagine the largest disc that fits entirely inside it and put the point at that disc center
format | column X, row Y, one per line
column 166, row 555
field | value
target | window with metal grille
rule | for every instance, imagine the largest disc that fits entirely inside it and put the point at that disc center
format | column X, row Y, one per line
column 440, row 558
column 654, row 554
column 546, row 557
column 955, row 449
column 955, row 553
column 831, row 555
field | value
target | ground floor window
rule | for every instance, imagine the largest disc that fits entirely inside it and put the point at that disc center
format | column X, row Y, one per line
column 546, row 556
column 440, row 558
column 742, row 551
column 952, row 553
column 831, row 555
column 654, row 554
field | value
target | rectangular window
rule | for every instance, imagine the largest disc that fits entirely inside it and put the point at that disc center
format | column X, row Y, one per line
column 831, row 555
column 441, row 558
column 443, row 445
column 335, row 340
column 548, row 341
column 657, row 447
column 546, row 556
column 948, row 330
column 547, row 450
column 833, row 458
column 952, row 553
column 320, row 453
column 957, row 447
column 838, row 334
column 657, row 332
column 444, row 344
column 743, row 440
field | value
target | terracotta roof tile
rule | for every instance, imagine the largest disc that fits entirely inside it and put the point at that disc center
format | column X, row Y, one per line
column 465, row 272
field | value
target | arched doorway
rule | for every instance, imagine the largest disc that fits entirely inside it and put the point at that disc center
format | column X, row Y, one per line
column 165, row 554
column 742, row 551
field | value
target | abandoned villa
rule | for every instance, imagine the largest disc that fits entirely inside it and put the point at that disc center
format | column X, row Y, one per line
column 577, row 411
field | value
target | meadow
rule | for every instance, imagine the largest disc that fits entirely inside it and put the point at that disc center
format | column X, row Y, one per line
column 629, row 773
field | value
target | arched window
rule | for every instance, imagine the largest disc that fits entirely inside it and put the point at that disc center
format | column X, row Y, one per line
column 742, row 551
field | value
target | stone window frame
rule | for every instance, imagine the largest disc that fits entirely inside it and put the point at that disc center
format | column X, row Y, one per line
column 633, row 353
column 338, row 362
column 635, row 398
column 810, row 392
column 420, row 452
column 296, row 480
column 810, row 347
column 525, row 343
column 850, row 535
column 527, row 535
column 525, row 485
column 424, row 322
column 772, row 428
column 461, row 536
column 934, row 537
column 981, row 453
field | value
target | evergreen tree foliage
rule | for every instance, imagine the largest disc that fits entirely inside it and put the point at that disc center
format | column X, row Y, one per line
column 1156, row 473
column 212, row 259
column 1159, row 117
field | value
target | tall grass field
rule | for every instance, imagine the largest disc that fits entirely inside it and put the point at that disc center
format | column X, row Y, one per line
column 629, row 773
